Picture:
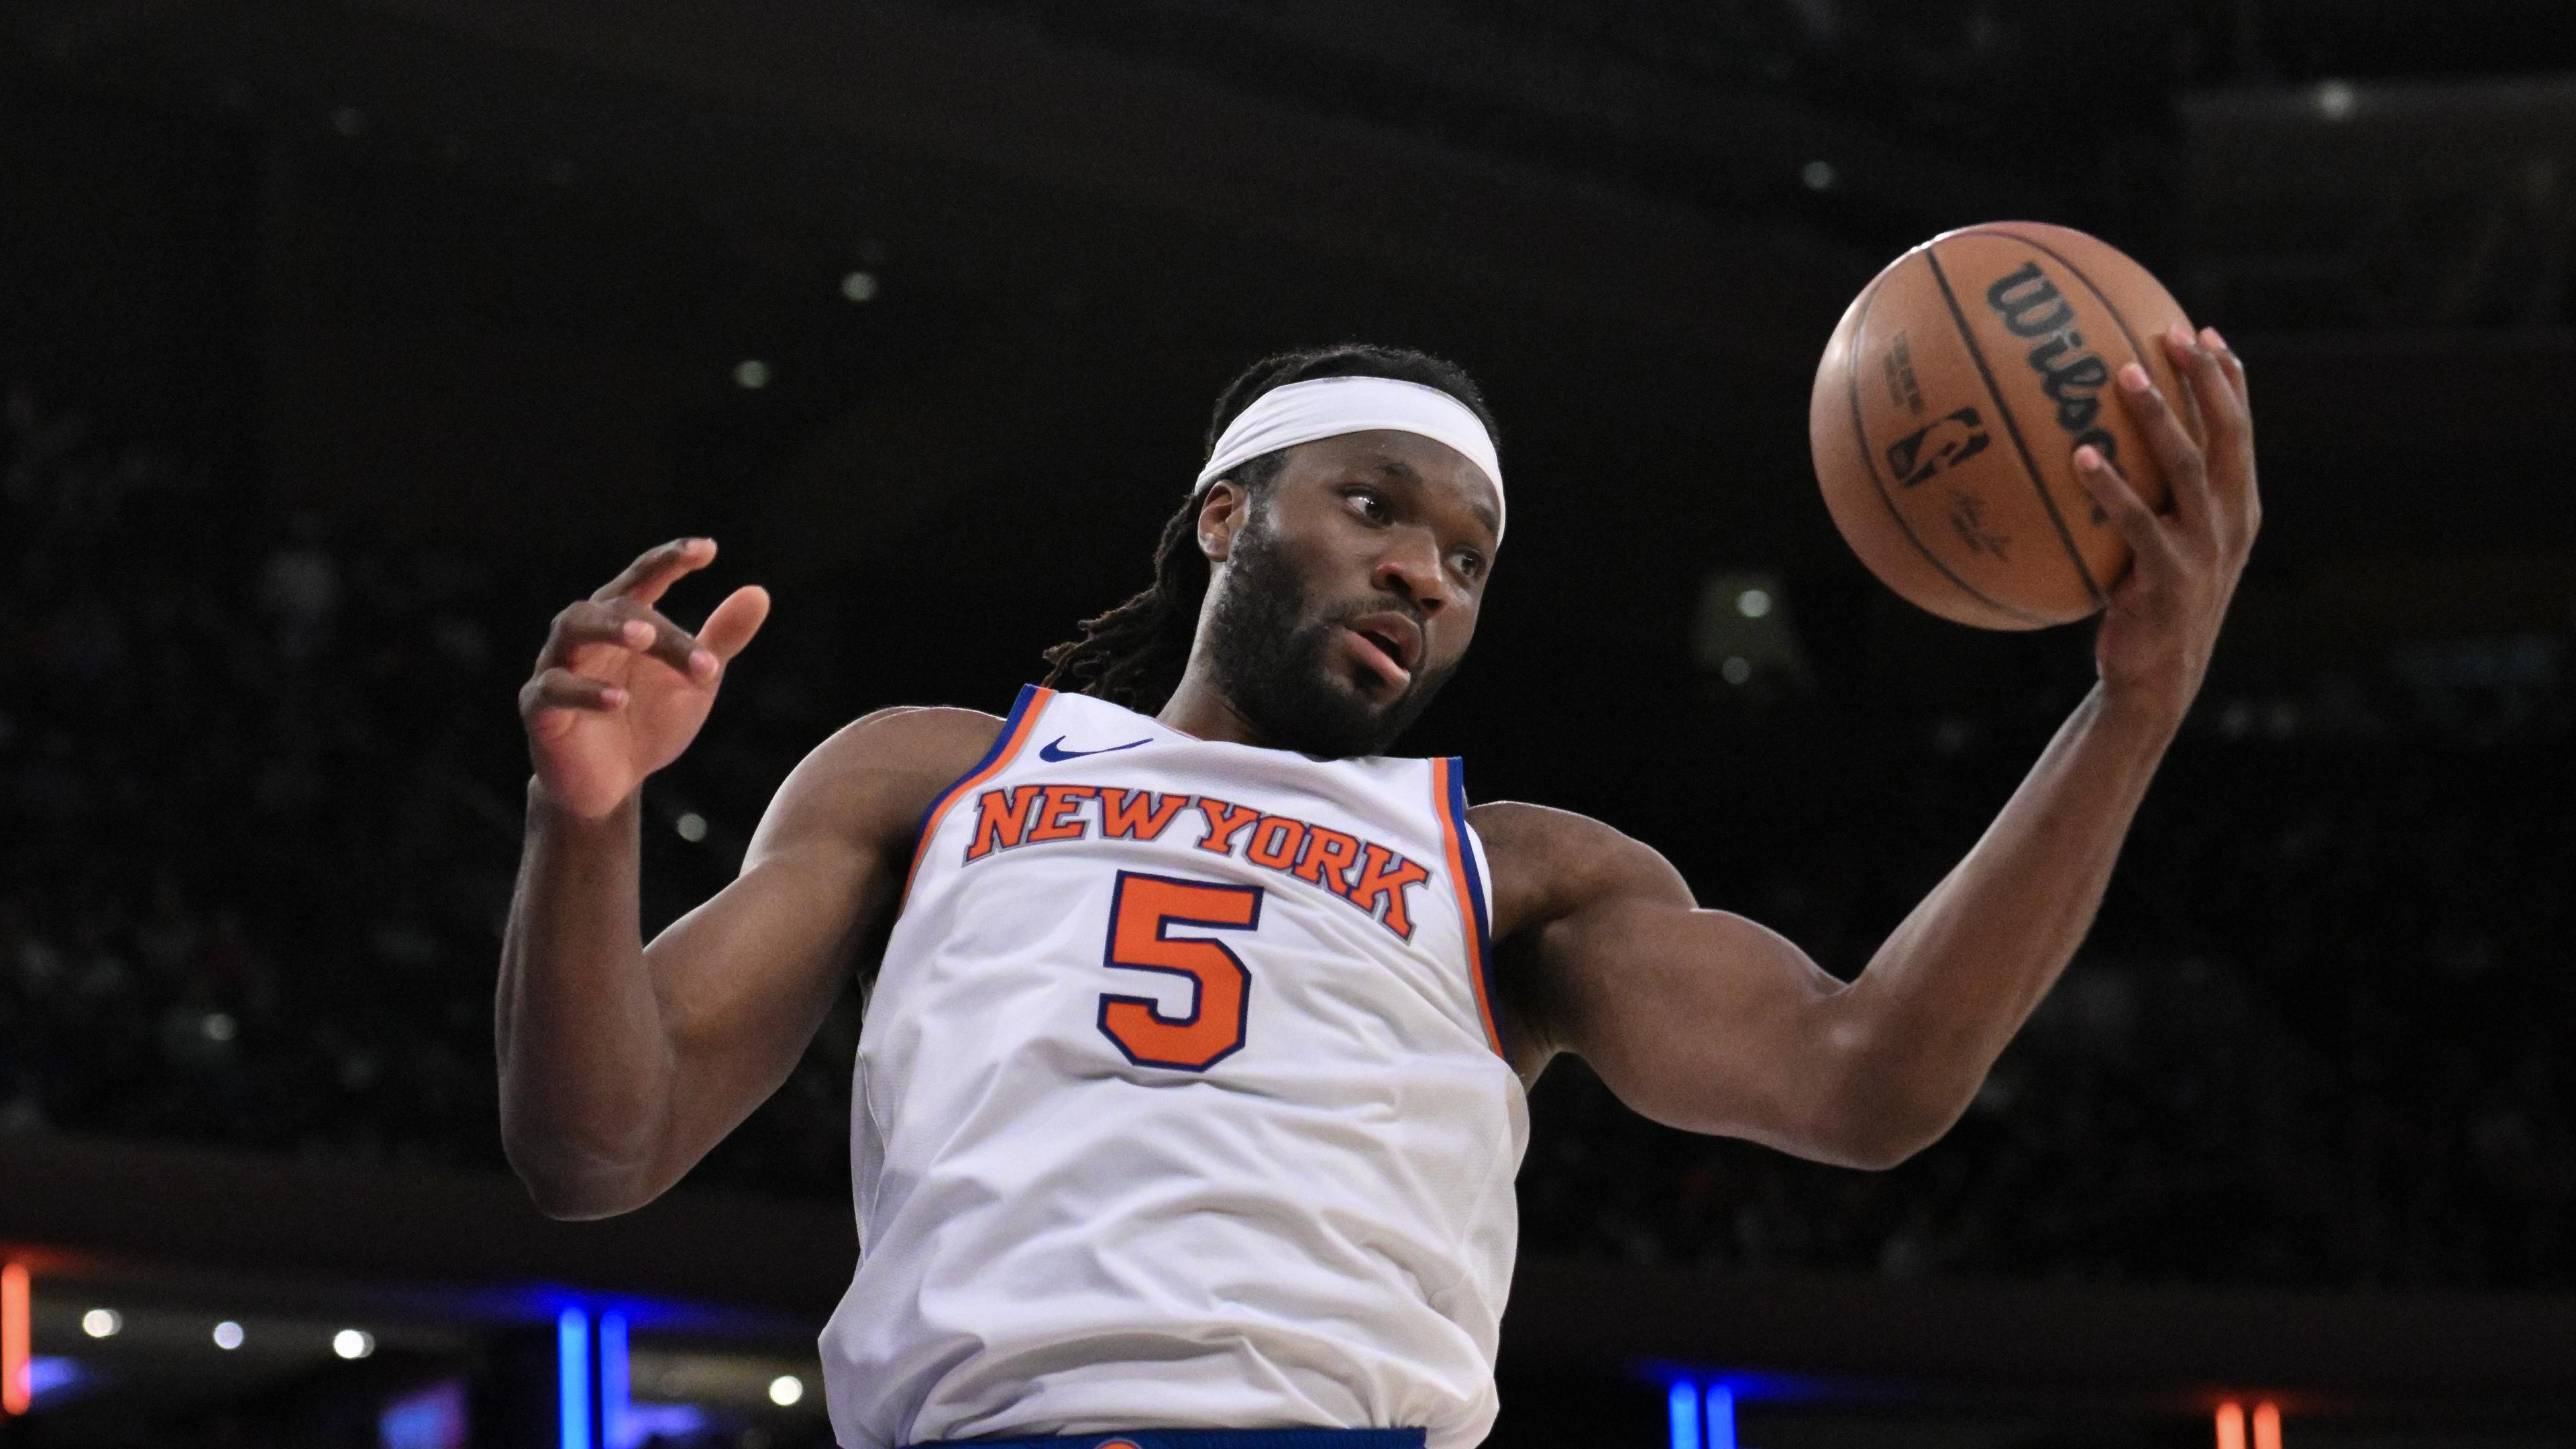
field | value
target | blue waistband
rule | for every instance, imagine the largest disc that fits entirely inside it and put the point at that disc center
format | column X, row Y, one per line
column 1207, row 1440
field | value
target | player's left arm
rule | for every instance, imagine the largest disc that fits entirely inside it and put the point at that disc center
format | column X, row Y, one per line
column 1706, row 1021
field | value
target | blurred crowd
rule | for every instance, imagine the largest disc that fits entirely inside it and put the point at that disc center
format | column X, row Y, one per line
column 259, row 795
column 2317, row 1036
column 259, row 815
column 244, row 853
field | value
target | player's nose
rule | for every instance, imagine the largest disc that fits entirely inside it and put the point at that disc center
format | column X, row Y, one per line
column 1410, row 569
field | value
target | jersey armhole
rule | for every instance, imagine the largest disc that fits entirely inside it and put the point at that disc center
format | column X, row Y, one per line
column 1468, row 867
column 1007, row 744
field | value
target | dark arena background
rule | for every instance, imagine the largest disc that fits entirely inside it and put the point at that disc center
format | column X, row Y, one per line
column 343, row 341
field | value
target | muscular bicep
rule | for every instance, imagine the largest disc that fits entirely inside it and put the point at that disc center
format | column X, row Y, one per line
column 1699, row 1019
column 745, row 979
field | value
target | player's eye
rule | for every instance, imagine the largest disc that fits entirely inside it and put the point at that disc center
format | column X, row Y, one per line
column 1470, row 564
column 1371, row 504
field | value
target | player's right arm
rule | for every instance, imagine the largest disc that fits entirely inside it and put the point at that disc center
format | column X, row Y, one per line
column 622, row 1063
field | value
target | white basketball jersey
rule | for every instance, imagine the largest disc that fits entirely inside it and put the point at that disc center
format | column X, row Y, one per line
column 1180, row 1102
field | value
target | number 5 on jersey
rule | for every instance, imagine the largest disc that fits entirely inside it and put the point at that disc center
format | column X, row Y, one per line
column 1141, row 916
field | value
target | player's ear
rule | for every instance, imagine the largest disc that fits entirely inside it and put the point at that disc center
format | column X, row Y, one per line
column 1222, row 514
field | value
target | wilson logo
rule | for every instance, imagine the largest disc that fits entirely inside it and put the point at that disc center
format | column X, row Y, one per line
column 2072, row 376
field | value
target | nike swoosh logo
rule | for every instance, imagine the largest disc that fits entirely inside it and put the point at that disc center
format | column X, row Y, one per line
column 1054, row 749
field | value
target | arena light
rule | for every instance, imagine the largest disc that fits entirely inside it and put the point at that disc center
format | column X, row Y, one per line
column 786, row 1391
column 679, row 1423
column 431, row 1418
column 17, row 1337
column 102, row 1322
column 1703, row 1415
column 1684, row 1406
column 353, row 1343
column 228, row 1335
column 2267, row 1425
column 616, row 1384
column 1720, row 1413
column 572, row 1377
column 1742, row 632
column 2231, row 1425
column 50, row 1373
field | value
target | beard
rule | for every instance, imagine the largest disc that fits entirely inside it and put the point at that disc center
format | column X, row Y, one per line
column 1267, row 652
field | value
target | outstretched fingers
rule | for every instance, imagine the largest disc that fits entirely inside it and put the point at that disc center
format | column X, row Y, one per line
column 2230, row 414
column 734, row 621
column 581, row 630
column 2178, row 453
column 2222, row 412
column 652, row 574
column 2150, row 537
column 550, row 701
column 2232, row 367
column 587, row 625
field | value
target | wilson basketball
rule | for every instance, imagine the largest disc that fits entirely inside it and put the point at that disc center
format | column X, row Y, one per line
column 1949, row 406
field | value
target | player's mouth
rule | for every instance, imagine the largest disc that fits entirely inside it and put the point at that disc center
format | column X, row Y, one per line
column 1389, row 644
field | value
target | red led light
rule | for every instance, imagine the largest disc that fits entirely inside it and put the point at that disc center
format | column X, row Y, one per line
column 16, row 1331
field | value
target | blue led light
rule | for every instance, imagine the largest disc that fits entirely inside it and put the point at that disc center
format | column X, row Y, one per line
column 1721, row 1417
column 1685, row 1411
column 572, row 1376
column 48, row 1375
column 614, row 1389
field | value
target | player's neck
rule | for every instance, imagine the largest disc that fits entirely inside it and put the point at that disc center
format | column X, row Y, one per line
column 1199, row 709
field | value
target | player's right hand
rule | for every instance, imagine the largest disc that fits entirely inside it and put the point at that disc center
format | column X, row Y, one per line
column 619, row 690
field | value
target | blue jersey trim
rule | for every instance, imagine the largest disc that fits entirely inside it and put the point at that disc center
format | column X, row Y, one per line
column 939, row 802
column 1475, row 882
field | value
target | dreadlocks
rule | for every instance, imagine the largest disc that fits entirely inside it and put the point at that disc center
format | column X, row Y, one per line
column 1134, row 654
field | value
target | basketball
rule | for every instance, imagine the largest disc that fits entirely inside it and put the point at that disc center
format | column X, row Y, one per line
column 1949, row 405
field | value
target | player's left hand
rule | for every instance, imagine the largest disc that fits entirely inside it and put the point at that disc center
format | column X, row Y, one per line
column 2162, row 621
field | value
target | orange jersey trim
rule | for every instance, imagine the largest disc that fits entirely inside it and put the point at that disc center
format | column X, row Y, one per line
column 1449, row 798
column 1006, row 747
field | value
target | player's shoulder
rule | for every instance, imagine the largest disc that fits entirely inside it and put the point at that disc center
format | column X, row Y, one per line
column 1548, row 863
column 933, row 734
column 1543, row 834
column 880, row 772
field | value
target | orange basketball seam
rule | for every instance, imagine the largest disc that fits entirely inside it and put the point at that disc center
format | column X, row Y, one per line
column 1869, row 460
column 1976, row 354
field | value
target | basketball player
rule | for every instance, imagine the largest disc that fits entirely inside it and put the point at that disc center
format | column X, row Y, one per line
column 1191, row 1088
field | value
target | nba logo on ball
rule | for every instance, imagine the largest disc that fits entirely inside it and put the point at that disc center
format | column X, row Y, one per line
column 1948, row 407
column 1929, row 449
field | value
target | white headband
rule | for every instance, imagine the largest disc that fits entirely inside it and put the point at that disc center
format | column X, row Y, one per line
column 1328, row 407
